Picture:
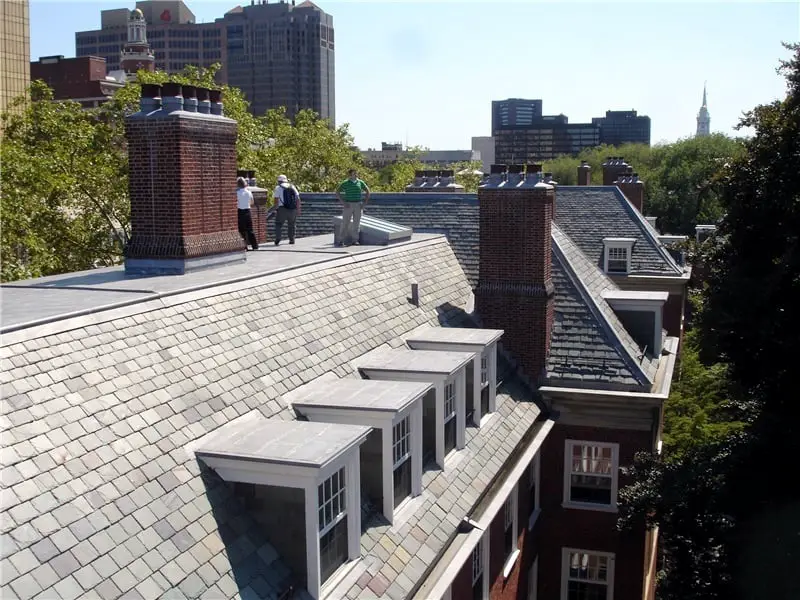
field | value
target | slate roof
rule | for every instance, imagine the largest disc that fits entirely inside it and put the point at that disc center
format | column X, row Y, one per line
column 589, row 344
column 102, row 496
column 587, row 214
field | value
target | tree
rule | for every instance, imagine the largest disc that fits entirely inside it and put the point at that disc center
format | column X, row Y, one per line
column 727, row 510
column 64, row 191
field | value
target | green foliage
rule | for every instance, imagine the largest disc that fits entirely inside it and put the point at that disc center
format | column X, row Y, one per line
column 681, row 179
column 64, row 191
column 727, row 505
column 699, row 410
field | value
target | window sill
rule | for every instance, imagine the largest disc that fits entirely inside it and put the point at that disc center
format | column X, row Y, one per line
column 338, row 576
column 588, row 506
column 532, row 519
column 509, row 564
column 485, row 419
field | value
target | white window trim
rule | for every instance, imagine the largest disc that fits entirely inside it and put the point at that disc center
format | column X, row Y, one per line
column 508, row 565
column 565, row 552
column 618, row 243
column 483, row 544
column 637, row 301
column 535, row 469
column 567, row 503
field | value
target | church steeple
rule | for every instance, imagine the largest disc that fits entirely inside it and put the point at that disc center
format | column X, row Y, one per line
column 703, row 118
column 136, row 53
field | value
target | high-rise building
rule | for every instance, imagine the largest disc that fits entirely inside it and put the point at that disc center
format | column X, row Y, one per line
column 622, row 127
column 703, row 118
column 16, row 50
column 278, row 54
column 484, row 145
column 523, row 135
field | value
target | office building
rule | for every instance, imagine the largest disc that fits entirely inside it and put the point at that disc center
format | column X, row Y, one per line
column 278, row 54
column 623, row 127
column 82, row 79
column 16, row 50
column 392, row 152
column 515, row 112
column 484, row 146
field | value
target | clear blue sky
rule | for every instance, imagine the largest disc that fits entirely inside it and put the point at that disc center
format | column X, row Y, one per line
column 427, row 72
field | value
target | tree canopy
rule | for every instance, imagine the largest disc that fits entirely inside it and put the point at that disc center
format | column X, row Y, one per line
column 727, row 506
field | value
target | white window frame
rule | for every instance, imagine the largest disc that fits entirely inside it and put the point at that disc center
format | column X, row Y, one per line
column 534, row 479
column 614, row 476
column 610, row 244
column 482, row 551
column 511, row 510
column 565, row 565
column 533, row 579
column 403, row 442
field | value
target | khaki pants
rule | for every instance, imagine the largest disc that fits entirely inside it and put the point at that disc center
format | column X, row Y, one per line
column 351, row 210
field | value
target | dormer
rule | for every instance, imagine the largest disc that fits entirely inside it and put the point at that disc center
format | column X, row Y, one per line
column 444, row 407
column 617, row 255
column 481, row 372
column 642, row 314
column 391, row 456
column 305, row 476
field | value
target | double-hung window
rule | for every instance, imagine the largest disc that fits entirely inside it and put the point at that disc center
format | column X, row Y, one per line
column 617, row 257
column 332, row 524
column 484, row 385
column 510, row 531
column 587, row 575
column 449, row 417
column 401, row 460
column 591, row 470
column 480, row 581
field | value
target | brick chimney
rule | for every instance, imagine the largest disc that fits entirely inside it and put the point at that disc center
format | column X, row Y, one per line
column 613, row 167
column 584, row 173
column 182, row 163
column 633, row 188
column 515, row 288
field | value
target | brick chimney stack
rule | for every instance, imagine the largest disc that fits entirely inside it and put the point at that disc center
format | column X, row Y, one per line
column 182, row 163
column 584, row 173
column 515, row 288
column 613, row 167
column 633, row 188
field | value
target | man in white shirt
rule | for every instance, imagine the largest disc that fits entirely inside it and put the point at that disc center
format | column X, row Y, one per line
column 287, row 204
column 244, row 201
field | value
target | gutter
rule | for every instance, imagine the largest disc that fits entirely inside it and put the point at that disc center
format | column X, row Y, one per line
column 441, row 573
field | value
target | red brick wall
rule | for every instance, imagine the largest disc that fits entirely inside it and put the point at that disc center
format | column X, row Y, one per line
column 72, row 77
column 515, row 289
column 559, row 527
column 182, row 186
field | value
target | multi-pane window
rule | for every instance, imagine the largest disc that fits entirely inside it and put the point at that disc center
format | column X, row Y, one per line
column 509, row 518
column 332, row 524
column 592, row 473
column 449, row 417
column 477, row 571
column 401, row 455
column 589, row 576
column 484, row 385
column 484, row 370
column 617, row 260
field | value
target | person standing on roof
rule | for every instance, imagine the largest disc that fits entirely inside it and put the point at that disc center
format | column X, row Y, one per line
column 244, row 201
column 352, row 204
column 287, row 203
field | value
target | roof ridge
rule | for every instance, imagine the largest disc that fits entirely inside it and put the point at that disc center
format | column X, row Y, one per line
column 622, row 341
column 646, row 229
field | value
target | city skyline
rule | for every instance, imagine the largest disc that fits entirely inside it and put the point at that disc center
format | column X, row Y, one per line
column 382, row 93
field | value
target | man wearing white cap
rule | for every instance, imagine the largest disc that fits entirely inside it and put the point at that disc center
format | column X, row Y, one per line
column 287, row 203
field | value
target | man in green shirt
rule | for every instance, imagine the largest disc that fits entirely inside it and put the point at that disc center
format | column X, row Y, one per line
column 349, row 195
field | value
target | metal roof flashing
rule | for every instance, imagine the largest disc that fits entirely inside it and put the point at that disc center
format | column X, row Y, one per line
column 361, row 395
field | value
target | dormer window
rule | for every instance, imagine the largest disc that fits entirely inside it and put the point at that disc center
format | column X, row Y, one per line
column 443, row 409
column 391, row 456
column 481, row 373
column 305, row 476
column 642, row 315
column 617, row 255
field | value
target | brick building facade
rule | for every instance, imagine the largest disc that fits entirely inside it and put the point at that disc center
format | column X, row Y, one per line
column 82, row 79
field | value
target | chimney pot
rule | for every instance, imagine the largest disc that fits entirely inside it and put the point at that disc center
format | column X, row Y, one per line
column 190, row 103
column 171, row 98
column 216, row 102
column 203, row 101
column 150, row 100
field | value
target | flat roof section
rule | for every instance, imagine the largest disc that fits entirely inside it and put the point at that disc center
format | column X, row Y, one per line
column 363, row 394
column 414, row 361
column 456, row 335
column 296, row 443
